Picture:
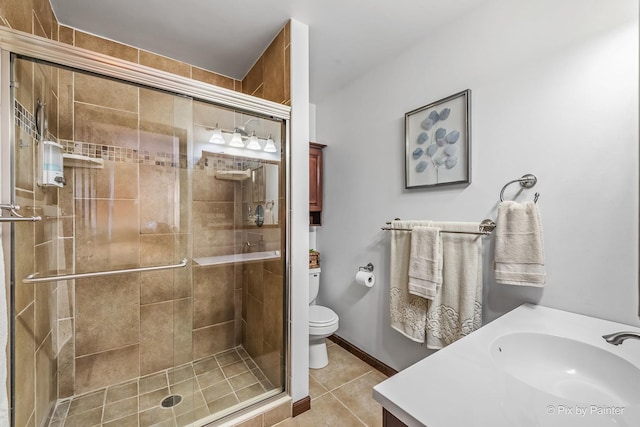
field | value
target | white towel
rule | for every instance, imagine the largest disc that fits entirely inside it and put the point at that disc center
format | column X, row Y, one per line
column 519, row 252
column 408, row 312
column 425, row 262
column 456, row 311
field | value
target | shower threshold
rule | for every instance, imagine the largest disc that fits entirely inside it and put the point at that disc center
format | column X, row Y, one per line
column 189, row 394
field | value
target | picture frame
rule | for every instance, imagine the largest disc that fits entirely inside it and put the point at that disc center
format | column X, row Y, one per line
column 438, row 143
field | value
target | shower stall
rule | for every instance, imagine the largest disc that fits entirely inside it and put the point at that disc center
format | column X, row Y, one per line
column 147, row 238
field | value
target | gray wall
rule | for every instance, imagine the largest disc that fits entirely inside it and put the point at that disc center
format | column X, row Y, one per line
column 554, row 93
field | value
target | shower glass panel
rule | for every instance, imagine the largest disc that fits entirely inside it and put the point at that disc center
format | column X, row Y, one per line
column 143, row 187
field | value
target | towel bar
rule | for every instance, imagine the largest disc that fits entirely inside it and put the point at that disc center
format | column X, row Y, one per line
column 485, row 228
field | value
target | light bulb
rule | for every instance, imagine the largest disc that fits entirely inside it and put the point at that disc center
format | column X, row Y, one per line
column 236, row 139
column 253, row 143
column 216, row 136
column 270, row 146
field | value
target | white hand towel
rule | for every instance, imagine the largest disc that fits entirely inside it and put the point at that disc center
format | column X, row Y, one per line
column 425, row 262
column 519, row 252
column 408, row 312
column 456, row 311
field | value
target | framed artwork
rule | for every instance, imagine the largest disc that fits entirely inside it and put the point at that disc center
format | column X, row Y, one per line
column 438, row 143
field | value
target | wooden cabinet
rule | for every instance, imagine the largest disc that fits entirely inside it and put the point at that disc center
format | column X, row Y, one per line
column 315, row 183
column 389, row 420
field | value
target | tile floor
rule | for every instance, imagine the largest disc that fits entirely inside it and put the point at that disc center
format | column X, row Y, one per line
column 207, row 386
column 341, row 393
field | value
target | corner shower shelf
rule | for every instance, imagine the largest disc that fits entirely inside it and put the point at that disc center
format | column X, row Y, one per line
column 233, row 175
column 80, row 161
column 233, row 258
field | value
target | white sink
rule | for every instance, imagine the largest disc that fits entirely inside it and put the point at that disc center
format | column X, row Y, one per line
column 567, row 368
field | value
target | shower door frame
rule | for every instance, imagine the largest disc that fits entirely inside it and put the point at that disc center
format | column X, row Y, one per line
column 61, row 54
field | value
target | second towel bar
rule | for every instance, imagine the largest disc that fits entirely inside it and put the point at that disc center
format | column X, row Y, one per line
column 32, row 278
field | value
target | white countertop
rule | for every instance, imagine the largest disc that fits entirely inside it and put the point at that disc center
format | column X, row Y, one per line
column 462, row 385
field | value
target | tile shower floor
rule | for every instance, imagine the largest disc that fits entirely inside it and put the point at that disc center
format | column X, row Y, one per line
column 208, row 386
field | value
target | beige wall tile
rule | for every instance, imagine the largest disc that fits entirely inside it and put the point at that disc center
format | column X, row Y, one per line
column 254, row 333
column 66, row 358
column 94, row 90
column 65, row 104
column 46, row 18
column 106, row 47
column 101, row 326
column 207, row 188
column 24, row 163
column 156, row 286
column 254, row 77
column 156, row 337
column 109, row 367
column 25, row 362
column 273, row 316
column 287, row 76
column 208, row 215
column 45, row 380
column 274, row 74
column 117, row 180
column 254, row 273
column 212, row 78
column 159, row 207
column 105, row 126
column 157, row 249
column 107, row 234
column 24, row 263
column 24, row 77
column 45, row 312
column 157, row 111
column 19, row 14
column 213, row 292
column 165, row 64
column 212, row 339
column 66, row 34
column 183, row 330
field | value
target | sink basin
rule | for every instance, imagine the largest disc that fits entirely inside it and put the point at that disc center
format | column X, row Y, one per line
column 568, row 368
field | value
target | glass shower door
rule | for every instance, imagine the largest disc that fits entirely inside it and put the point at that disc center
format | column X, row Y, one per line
column 171, row 305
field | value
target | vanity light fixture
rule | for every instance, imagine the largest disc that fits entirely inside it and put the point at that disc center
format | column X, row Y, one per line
column 216, row 136
column 236, row 139
column 253, row 142
column 270, row 146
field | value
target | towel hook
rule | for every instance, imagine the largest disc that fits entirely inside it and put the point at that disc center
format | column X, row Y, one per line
column 526, row 181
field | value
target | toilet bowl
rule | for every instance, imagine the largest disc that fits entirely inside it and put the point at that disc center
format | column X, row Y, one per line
column 322, row 323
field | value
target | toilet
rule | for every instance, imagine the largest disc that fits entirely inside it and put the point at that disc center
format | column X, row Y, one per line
column 322, row 322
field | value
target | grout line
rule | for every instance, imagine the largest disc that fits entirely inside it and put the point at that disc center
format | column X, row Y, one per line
column 347, row 408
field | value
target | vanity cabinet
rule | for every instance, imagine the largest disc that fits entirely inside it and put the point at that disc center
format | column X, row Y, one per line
column 389, row 420
column 315, row 183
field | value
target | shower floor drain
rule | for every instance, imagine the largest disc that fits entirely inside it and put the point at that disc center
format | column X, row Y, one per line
column 171, row 401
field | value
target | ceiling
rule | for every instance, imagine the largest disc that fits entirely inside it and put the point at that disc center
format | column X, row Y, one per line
column 346, row 37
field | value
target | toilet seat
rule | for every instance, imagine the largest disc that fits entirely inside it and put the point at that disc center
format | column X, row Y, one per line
column 320, row 316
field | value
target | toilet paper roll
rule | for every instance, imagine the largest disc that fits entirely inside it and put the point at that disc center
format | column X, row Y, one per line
column 365, row 278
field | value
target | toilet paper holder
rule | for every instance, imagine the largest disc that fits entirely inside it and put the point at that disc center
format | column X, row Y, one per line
column 368, row 267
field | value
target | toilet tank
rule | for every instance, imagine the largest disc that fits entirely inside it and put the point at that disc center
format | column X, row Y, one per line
column 314, row 283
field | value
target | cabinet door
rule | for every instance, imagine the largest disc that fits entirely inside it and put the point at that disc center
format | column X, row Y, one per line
column 315, row 179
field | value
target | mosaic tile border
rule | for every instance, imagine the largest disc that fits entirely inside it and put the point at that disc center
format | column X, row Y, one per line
column 26, row 121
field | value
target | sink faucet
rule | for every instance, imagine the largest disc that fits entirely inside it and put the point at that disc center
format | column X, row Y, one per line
column 618, row 338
